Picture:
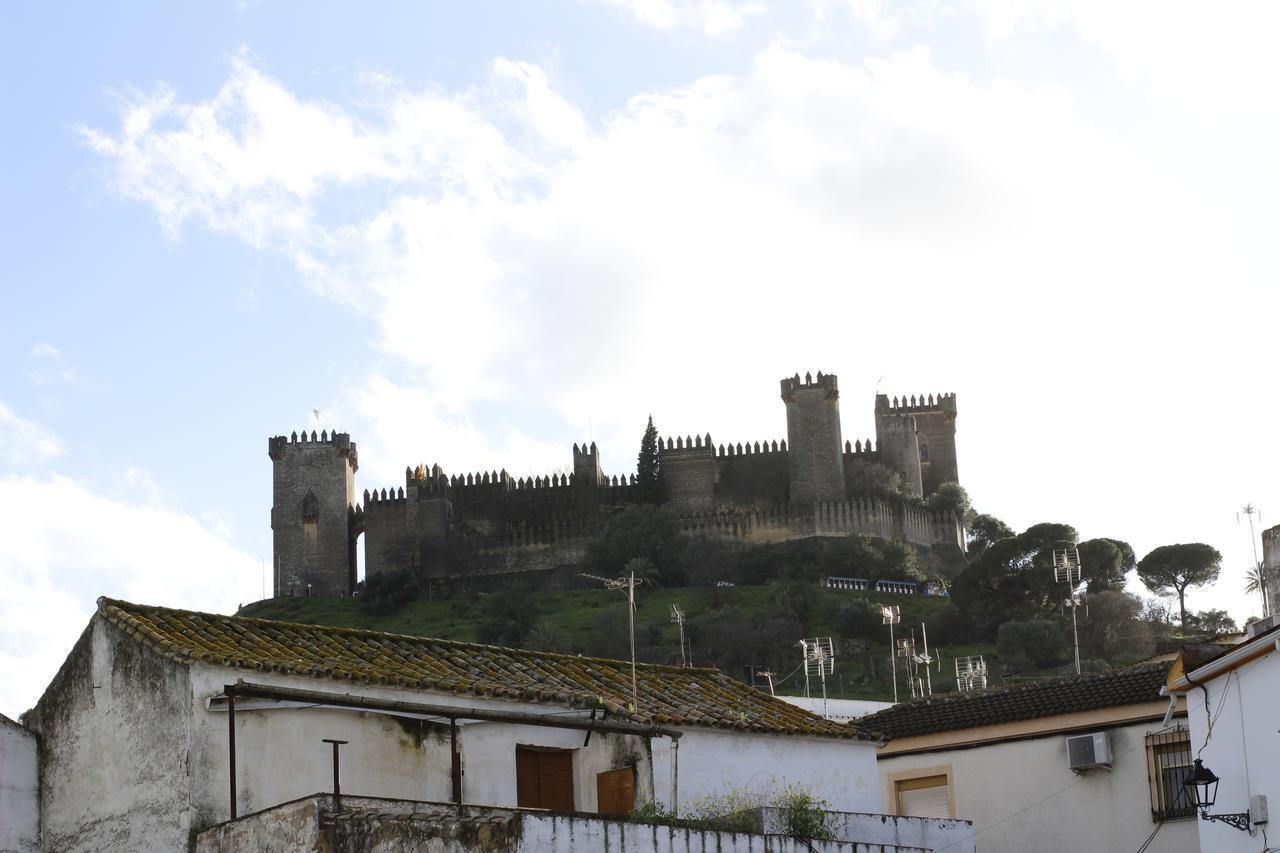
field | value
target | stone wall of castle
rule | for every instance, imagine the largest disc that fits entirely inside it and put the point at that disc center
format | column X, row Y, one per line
column 809, row 484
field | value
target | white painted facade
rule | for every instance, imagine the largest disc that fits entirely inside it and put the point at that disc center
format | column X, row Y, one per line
column 136, row 759
column 839, row 710
column 1021, row 795
column 19, row 789
column 1243, row 749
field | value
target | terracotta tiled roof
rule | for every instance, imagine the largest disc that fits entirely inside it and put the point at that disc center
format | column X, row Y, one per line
column 1024, row 702
column 668, row 695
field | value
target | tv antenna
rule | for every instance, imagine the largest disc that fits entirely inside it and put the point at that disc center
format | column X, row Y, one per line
column 891, row 614
column 820, row 661
column 923, row 660
column 627, row 584
column 677, row 616
column 1066, row 569
column 766, row 674
column 971, row 673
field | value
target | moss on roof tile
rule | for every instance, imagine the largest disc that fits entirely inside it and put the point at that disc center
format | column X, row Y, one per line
column 703, row 697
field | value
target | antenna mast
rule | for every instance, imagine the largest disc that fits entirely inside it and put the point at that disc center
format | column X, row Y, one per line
column 1066, row 569
column 891, row 614
column 820, row 660
column 629, row 584
column 677, row 616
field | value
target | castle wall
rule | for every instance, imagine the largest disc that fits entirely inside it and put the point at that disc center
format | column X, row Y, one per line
column 688, row 473
column 816, row 456
column 313, row 490
column 935, row 419
column 753, row 474
column 899, row 449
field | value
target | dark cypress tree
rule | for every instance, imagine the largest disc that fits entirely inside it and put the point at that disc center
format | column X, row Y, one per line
column 647, row 470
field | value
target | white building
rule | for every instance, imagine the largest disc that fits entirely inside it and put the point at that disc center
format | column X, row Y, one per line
column 1233, row 706
column 1081, row 764
column 19, row 803
column 163, row 723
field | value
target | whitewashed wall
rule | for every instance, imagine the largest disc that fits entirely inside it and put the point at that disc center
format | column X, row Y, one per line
column 1244, row 749
column 1021, row 796
column 19, row 789
column 842, row 772
column 280, row 755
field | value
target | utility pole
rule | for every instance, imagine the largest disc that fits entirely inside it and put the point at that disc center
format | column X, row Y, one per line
column 891, row 614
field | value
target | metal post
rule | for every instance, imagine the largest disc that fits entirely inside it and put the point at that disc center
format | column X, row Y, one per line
column 893, row 662
column 924, row 633
column 455, row 763
column 675, row 777
column 231, row 745
column 337, row 783
column 1075, row 633
column 631, row 614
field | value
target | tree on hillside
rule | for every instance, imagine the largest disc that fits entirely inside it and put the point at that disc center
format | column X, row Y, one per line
column 1208, row 624
column 1170, row 569
column 951, row 497
column 648, row 469
column 985, row 530
column 1105, row 562
column 1115, row 628
column 1012, row 578
column 641, row 530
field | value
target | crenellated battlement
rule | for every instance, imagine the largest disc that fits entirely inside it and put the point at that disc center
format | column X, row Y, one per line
column 687, row 444
column 279, row 446
column 825, row 383
column 758, row 449
column 940, row 403
column 859, row 447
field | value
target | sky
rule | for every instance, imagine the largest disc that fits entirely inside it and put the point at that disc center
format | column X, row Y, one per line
column 474, row 234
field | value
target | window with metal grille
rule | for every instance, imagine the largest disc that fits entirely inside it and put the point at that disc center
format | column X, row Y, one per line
column 1168, row 765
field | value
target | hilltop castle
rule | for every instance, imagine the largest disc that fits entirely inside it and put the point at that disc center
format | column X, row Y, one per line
column 813, row 483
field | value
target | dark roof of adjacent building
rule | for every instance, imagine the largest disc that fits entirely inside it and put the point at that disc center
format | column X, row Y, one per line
column 668, row 695
column 1024, row 702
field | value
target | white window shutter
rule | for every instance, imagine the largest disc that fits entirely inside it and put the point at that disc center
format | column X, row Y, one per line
column 926, row 802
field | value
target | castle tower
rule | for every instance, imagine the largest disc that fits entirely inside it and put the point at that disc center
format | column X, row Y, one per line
column 899, row 446
column 1271, row 566
column 313, row 497
column 935, row 420
column 815, row 459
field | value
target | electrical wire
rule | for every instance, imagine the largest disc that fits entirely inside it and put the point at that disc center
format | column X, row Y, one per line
column 1150, row 837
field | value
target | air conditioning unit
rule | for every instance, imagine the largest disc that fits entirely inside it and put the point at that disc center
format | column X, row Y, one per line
column 1088, row 751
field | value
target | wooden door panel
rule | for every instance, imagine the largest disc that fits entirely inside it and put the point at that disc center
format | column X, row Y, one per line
column 616, row 791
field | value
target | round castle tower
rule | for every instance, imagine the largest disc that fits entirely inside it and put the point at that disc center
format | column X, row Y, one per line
column 313, row 500
column 815, row 463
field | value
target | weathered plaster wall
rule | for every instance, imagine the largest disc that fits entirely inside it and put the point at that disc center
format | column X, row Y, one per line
column 19, row 789
column 281, row 756
column 1022, row 790
column 114, row 748
column 367, row 826
column 710, row 762
column 1244, row 750
column 953, row 836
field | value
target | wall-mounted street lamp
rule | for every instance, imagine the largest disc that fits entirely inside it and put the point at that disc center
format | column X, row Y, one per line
column 1202, row 784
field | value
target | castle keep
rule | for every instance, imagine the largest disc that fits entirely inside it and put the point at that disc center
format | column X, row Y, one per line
column 813, row 483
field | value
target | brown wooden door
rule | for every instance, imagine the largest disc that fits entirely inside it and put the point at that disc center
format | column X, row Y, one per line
column 544, row 779
column 616, row 791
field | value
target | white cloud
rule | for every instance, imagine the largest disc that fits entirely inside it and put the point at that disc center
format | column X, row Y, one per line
column 23, row 443
column 679, row 255
column 712, row 17
column 50, row 366
column 68, row 546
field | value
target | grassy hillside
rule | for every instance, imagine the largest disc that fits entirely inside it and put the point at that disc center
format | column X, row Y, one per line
column 595, row 622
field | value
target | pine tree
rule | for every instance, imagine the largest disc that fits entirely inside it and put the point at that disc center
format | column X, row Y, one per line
column 647, row 467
